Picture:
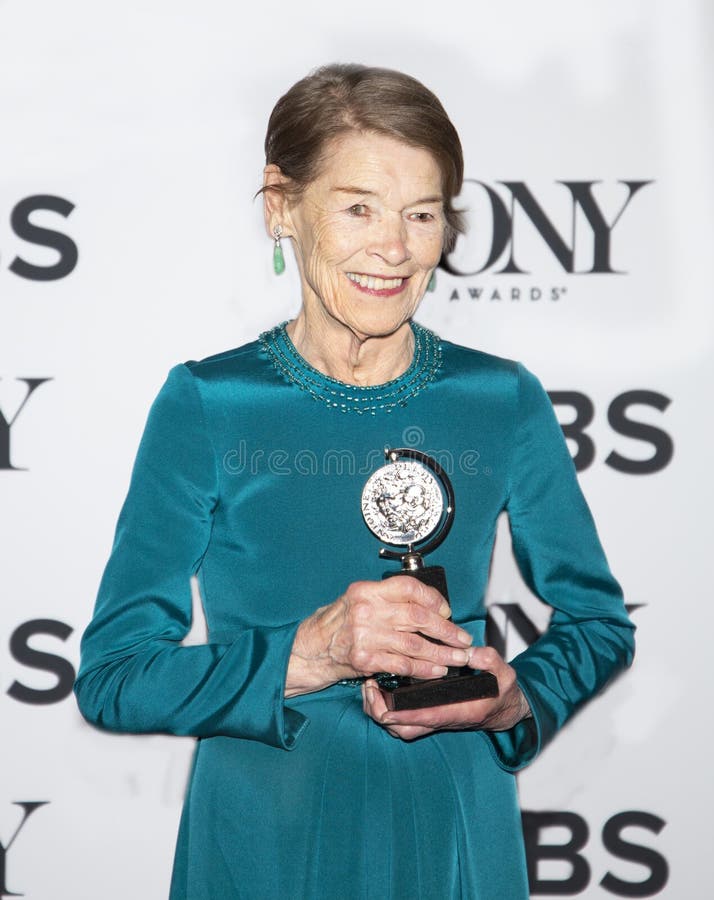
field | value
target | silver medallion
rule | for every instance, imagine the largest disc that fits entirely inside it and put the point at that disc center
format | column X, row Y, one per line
column 402, row 503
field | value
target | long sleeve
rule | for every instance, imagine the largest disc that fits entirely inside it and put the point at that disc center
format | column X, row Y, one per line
column 590, row 636
column 135, row 675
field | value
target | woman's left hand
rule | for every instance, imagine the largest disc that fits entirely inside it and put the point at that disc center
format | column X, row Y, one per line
column 491, row 714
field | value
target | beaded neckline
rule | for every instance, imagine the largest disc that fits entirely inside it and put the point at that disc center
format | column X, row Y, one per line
column 338, row 395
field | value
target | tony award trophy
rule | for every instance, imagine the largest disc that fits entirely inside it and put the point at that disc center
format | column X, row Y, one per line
column 403, row 504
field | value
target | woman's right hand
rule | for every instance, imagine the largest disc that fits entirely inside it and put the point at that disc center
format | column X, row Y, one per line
column 376, row 626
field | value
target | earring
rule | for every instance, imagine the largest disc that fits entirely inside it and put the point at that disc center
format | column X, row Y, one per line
column 432, row 282
column 278, row 258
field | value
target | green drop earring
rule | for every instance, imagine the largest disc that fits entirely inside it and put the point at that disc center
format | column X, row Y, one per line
column 431, row 287
column 278, row 258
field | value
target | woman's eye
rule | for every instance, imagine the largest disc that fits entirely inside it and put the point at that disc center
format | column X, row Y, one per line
column 358, row 209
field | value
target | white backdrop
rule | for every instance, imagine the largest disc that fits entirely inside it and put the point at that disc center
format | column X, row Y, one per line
column 138, row 126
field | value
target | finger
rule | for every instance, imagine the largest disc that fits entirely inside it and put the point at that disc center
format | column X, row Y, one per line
column 433, row 625
column 405, row 653
column 365, row 698
column 398, row 664
column 460, row 716
column 487, row 658
column 405, row 589
column 490, row 660
column 376, row 708
column 402, row 653
column 416, row 646
column 413, row 616
column 406, row 725
column 408, row 733
column 407, row 604
column 374, row 701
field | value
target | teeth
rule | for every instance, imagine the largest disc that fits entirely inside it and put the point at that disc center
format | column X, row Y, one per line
column 374, row 283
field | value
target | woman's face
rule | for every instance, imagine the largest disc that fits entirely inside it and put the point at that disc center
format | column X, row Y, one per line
column 367, row 232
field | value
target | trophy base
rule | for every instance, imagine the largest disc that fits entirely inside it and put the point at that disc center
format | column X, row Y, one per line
column 414, row 693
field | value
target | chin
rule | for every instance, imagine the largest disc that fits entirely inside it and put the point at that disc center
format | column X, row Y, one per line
column 378, row 326
column 379, row 323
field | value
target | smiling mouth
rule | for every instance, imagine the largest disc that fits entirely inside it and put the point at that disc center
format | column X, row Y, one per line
column 374, row 282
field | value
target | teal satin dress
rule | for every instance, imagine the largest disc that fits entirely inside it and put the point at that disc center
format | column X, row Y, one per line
column 249, row 475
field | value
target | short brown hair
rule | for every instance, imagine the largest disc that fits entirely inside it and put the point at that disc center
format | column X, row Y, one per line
column 338, row 98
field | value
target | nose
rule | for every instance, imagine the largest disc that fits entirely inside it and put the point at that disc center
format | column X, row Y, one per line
column 388, row 240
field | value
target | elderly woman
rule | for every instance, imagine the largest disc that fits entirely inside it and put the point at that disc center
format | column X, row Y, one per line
column 304, row 784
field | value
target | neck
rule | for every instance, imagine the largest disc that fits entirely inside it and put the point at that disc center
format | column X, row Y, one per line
column 340, row 353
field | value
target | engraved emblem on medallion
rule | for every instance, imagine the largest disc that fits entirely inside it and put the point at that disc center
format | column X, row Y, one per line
column 402, row 503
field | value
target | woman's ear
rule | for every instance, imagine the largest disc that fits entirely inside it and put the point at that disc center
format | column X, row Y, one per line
column 275, row 206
